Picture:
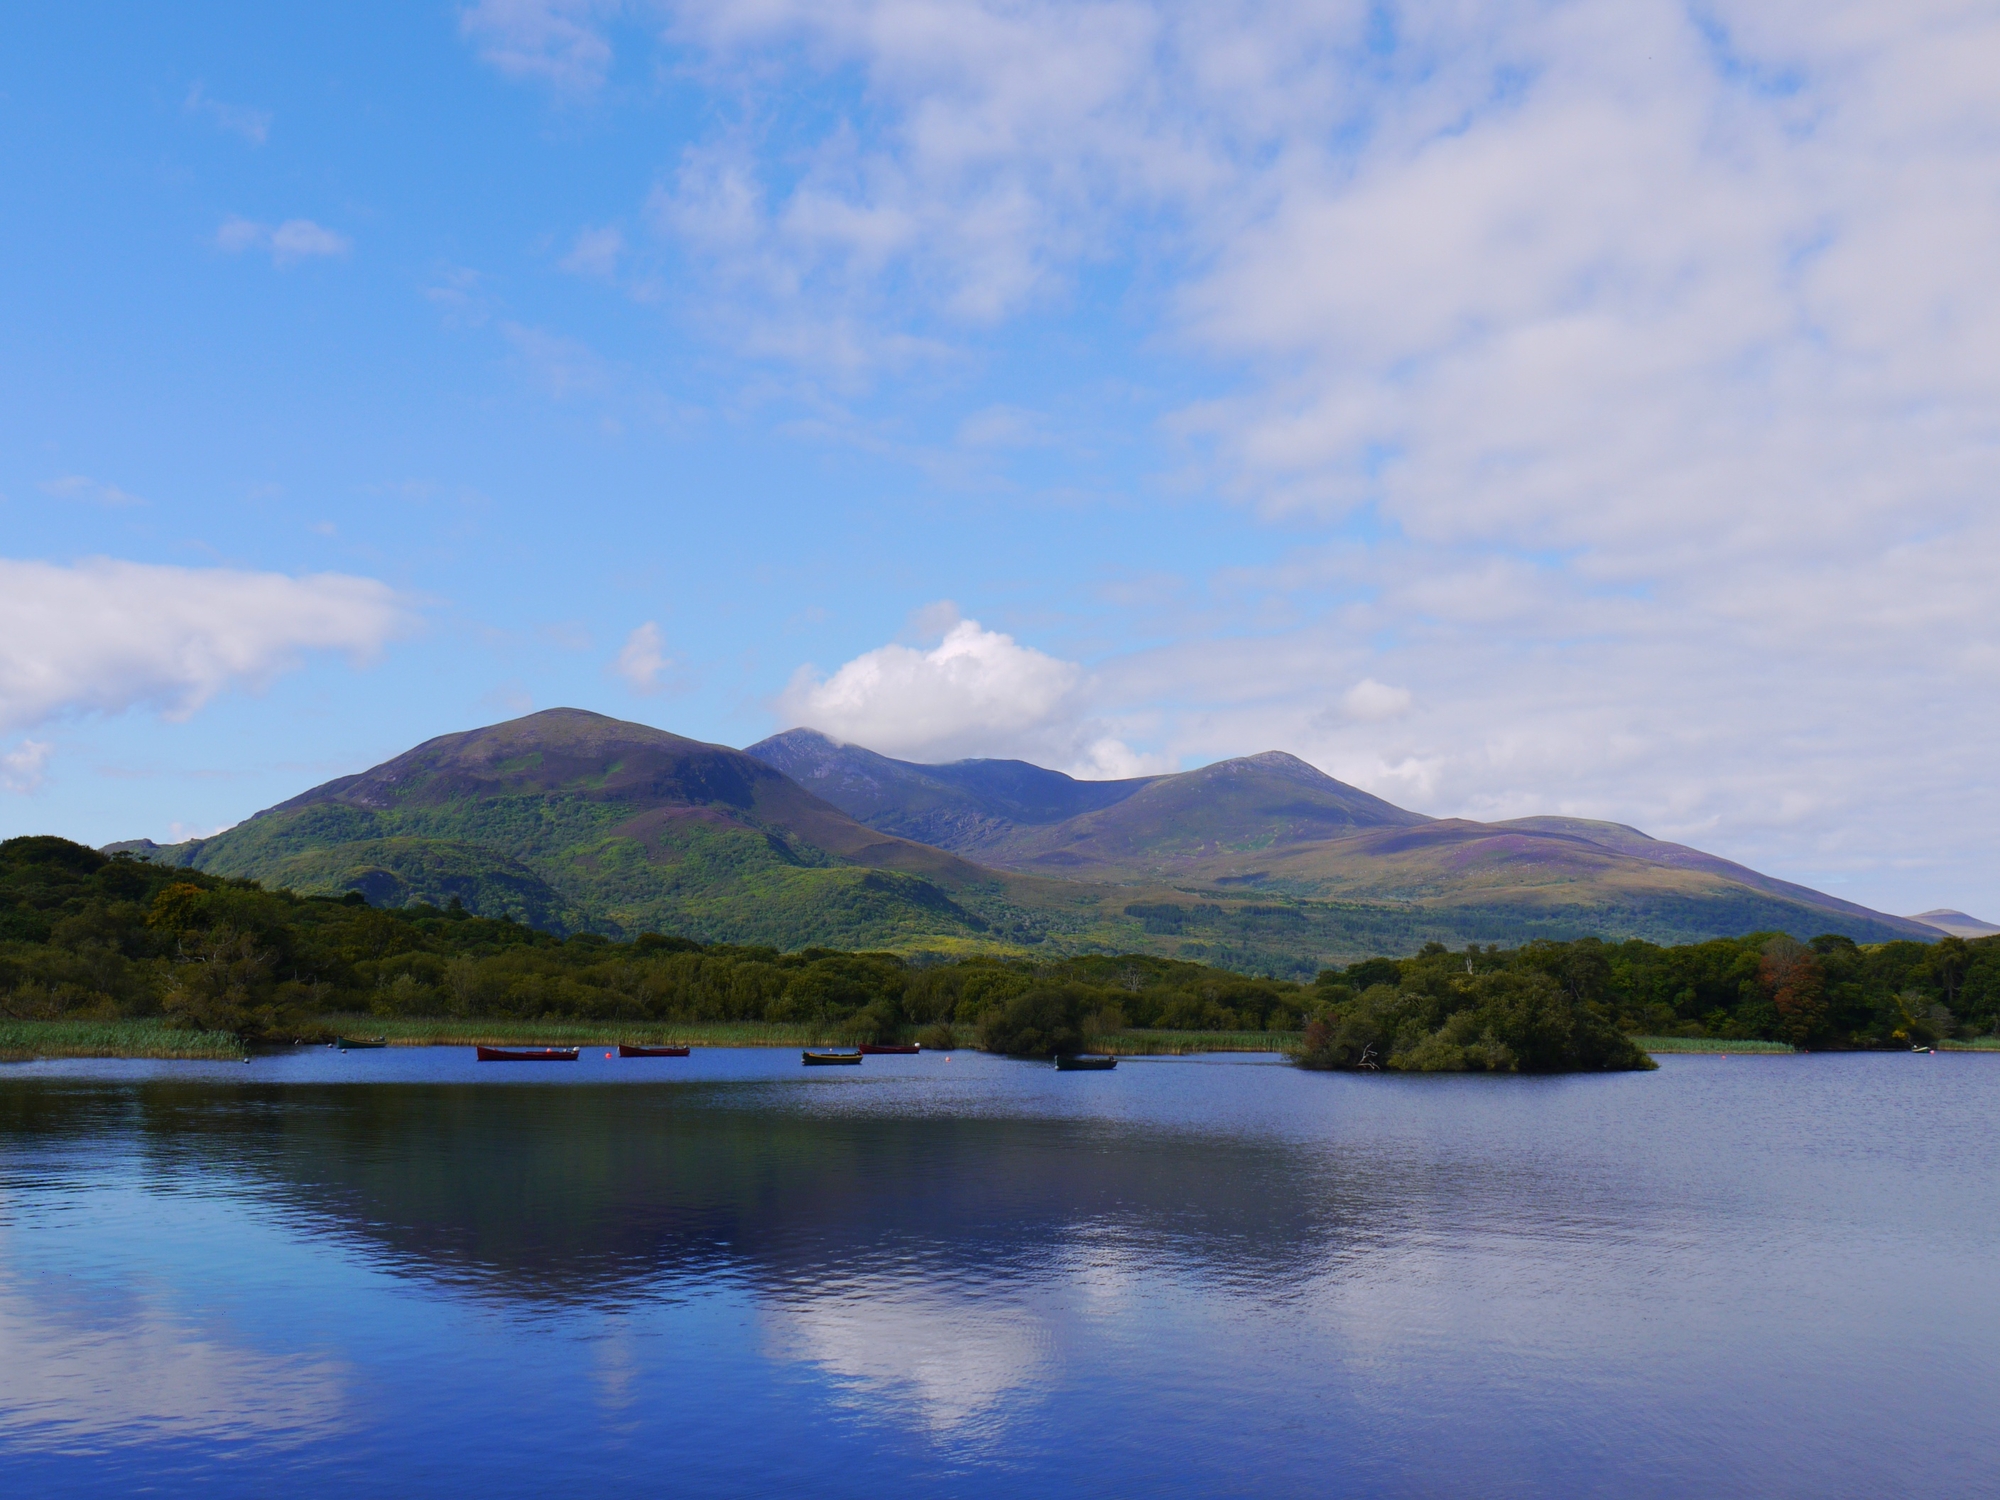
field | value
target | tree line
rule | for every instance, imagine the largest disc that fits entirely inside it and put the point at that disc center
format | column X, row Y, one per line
column 83, row 936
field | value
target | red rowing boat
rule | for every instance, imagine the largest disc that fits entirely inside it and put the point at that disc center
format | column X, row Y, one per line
column 883, row 1049
column 527, row 1054
column 626, row 1049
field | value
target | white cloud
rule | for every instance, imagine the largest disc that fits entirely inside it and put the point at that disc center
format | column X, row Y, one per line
column 293, row 240
column 23, row 769
column 978, row 692
column 555, row 42
column 644, row 663
column 976, row 689
column 104, row 636
column 1372, row 702
column 254, row 125
column 595, row 253
column 82, row 487
column 1654, row 343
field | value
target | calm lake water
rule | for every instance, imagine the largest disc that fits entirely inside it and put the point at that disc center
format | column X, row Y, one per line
column 376, row 1272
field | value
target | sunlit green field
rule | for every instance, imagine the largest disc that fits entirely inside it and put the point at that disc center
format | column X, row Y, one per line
column 1707, row 1044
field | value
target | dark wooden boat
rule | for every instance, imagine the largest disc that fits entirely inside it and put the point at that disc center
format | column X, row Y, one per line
column 1085, row 1064
column 527, row 1054
column 887, row 1049
column 359, row 1043
column 626, row 1049
column 814, row 1059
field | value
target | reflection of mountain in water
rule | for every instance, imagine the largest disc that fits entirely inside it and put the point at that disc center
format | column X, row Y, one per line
column 583, row 1191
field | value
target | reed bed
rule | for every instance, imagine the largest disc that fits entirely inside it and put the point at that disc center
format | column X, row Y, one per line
column 23, row 1041
column 1707, row 1044
column 1145, row 1043
column 444, row 1032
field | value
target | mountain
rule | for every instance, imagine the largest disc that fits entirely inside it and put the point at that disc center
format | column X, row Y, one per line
column 570, row 820
column 1272, row 826
column 964, row 806
column 1251, row 806
column 1955, row 923
column 1020, row 816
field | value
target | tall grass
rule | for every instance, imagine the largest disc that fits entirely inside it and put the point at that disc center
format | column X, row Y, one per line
column 445, row 1032
column 21, row 1041
column 434, row 1031
column 1707, row 1044
column 1138, row 1042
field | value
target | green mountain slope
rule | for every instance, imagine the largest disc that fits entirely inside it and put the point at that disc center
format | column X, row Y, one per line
column 571, row 821
column 589, row 822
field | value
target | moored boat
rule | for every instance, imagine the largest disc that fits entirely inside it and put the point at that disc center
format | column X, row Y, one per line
column 626, row 1049
column 884, row 1049
column 527, row 1054
column 814, row 1059
column 359, row 1043
column 1084, row 1063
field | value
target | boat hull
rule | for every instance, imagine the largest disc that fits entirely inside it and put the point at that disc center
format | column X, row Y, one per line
column 829, row 1059
column 527, row 1054
column 1085, row 1064
column 626, row 1050
column 359, row 1044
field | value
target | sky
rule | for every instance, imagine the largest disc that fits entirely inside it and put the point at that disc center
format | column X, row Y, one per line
column 1585, row 408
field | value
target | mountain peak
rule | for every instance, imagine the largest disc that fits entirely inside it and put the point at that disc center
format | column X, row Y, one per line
column 1955, row 923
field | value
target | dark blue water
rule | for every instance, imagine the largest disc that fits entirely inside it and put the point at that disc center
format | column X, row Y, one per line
column 375, row 1273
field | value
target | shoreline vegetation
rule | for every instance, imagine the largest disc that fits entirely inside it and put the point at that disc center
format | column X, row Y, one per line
column 157, row 1040
column 28, row 1041
column 92, row 946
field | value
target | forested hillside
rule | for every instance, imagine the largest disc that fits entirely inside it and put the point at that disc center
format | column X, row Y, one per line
column 82, row 935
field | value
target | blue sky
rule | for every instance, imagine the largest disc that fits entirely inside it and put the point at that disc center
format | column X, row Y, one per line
column 1577, row 408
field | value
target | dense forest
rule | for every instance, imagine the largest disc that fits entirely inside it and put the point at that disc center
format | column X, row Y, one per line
column 83, row 936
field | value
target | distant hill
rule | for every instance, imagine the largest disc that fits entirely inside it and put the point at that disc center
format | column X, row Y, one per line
column 1956, row 923
column 572, row 821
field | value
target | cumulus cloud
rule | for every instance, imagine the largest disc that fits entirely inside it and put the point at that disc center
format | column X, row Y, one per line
column 644, row 663
column 977, row 692
column 105, row 636
column 293, row 240
column 976, row 689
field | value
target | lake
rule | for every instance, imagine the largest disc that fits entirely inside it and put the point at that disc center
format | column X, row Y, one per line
column 374, row 1273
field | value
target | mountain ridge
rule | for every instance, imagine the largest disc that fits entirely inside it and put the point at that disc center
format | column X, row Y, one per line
column 574, row 821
